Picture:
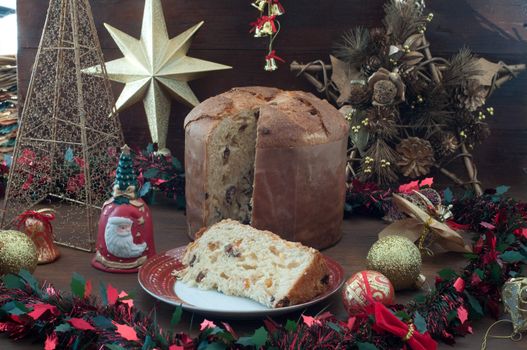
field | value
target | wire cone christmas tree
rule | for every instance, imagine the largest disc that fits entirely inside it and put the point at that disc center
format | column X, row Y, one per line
column 65, row 153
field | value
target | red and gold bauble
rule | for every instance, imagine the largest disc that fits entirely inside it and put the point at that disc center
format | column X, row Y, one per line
column 363, row 286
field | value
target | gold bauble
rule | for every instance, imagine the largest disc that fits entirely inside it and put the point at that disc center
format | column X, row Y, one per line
column 397, row 258
column 17, row 251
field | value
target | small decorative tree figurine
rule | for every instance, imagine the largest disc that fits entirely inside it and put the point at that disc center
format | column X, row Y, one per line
column 125, row 238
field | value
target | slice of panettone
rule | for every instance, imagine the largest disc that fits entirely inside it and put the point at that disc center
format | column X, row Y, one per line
column 239, row 260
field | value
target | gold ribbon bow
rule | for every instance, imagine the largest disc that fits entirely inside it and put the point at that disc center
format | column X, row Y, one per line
column 425, row 225
column 128, row 193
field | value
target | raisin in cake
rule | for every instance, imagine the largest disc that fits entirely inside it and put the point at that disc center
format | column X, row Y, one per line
column 240, row 260
column 270, row 158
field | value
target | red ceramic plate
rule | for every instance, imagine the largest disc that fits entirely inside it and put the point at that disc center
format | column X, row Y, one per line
column 157, row 279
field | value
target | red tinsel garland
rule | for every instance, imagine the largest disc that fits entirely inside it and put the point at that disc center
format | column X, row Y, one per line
column 82, row 321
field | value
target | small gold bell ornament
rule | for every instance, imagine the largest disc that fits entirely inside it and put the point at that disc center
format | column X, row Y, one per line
column 37, row 225
column 17, row 252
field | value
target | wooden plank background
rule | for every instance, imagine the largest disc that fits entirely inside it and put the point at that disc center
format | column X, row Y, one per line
column 493, row 28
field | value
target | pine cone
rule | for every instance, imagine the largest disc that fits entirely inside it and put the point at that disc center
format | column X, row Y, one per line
column 416, row 157
column 387, row 87
column 444, row 145
column 371, row 66
column 471, row 95
column 359, row 95
column 382, row 121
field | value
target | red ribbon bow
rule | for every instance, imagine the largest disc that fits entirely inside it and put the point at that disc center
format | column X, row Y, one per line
column 277, row 3
column 386, row 321
column 45, row 216
column 272, row 54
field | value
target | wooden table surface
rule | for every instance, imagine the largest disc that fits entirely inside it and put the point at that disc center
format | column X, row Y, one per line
column 359, row 235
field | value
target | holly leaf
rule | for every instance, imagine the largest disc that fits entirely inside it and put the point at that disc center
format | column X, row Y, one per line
column 102, row 322
column 150, row 148
column 112, row 294
column 126, row 332
column 462, row 314
column 176, row 316
column 102, row 292
column 15, row 308
column 500, row 190
column 51, row 342
column 420, row 322
column 31, row 281
column 403, row 316
column 334, row 326
column 447, row 273
column 81, row 324
column 512, row 256
column 448, row 196
column 291, row 326
column 429, row 181
column 366, row 346
column 150, row 173
column 78, row 285
column 212, row 346
column 452, row 315
column 148, row 343
column 475, row 306
column 68, row 156
column 258, row 339
column 114, row 347
column 145, row 189
column 12, row 282
column 63, row 328
column 495, row 272
column 479, row 273
column 41, row 309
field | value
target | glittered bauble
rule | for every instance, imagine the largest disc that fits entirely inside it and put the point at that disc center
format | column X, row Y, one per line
column 398, row 259
column 17, row 252
column 364, row 285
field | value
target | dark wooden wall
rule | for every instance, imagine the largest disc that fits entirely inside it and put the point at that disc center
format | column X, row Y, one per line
column 492, row 28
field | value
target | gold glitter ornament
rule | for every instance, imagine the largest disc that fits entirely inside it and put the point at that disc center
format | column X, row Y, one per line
column 398, row 259
column 17, row 251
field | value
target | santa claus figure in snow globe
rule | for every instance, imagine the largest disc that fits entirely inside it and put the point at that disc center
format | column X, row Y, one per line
column 125, row 238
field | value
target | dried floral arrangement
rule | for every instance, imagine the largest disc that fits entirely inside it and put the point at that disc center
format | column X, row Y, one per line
column 266, row 25
column 79, row 320
column 410, row 112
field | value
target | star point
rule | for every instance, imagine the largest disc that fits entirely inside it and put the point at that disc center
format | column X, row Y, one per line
column 155, row 68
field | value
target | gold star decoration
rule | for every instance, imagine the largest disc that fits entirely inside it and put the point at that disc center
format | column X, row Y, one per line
column 154, row 69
